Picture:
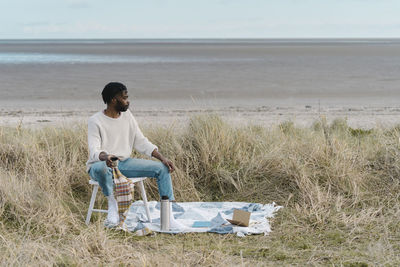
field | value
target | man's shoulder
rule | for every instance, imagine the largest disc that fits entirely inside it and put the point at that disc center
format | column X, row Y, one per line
column 127, row 115
column 95, row 117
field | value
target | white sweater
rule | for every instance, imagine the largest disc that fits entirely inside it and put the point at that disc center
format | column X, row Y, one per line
column 115, row 136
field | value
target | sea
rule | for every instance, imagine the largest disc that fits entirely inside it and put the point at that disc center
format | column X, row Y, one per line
column 207, row 72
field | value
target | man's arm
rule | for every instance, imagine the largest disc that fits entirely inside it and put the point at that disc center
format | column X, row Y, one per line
column 94, row 141
column 144, row 146
column 164, row 160
column 141, row 143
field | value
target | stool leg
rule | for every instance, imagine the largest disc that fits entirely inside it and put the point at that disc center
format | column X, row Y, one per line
column 144, row 197
column 92, row 200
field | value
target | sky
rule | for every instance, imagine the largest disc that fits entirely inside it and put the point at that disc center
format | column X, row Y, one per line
column 53, row 19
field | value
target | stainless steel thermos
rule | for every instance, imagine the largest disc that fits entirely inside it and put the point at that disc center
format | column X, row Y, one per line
column 164, row 213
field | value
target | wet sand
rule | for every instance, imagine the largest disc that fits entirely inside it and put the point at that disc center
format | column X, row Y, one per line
column 205, row 70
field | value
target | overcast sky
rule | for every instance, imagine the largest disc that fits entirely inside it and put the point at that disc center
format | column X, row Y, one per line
column 199, row 18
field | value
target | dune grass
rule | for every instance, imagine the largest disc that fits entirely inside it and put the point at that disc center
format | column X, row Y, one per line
column 339, row 187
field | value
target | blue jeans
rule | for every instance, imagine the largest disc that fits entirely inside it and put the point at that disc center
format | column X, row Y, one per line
column 131, row 168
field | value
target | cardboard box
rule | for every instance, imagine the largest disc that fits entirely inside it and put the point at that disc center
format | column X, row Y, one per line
column 240, row 218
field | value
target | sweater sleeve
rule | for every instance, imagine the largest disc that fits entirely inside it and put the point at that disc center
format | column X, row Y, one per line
column 94, row 141
column 141, row 143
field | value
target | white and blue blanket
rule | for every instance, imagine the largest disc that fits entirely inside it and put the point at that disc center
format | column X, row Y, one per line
column 215, row 213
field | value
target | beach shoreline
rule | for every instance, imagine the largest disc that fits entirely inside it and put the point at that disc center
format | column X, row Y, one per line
column 357, row 116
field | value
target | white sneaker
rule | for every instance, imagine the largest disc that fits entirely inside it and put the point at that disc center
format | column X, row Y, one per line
column 112, row 216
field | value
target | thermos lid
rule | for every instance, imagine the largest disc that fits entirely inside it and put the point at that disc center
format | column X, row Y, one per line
column 164, row 197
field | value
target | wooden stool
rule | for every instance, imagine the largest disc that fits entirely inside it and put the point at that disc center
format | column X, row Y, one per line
column 96, row 188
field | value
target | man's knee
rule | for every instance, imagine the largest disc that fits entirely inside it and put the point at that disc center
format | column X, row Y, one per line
column 101, row 169
column 161, row 168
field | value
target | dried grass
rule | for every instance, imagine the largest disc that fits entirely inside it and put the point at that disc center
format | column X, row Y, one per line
column 339, row 186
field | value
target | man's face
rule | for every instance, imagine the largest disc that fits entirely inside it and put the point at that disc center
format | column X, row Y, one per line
column 122, row 103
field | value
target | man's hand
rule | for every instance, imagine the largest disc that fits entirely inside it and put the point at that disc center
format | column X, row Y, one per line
column 108, row 158
column 169, row 164
column 164, row 160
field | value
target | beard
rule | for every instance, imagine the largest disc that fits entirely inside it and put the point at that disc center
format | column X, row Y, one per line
column 121, row 107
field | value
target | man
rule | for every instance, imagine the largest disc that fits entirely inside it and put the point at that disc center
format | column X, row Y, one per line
column 113, row 133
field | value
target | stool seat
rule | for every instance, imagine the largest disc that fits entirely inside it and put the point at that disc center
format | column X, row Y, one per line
column 96, row 188
column 134, row 180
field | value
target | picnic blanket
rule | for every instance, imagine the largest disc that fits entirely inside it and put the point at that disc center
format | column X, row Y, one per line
column 188, row 213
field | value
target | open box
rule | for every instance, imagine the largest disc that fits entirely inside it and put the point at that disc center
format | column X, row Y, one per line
column 240, row 218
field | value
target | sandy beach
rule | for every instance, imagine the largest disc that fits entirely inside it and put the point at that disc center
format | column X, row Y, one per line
column 149, row 114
